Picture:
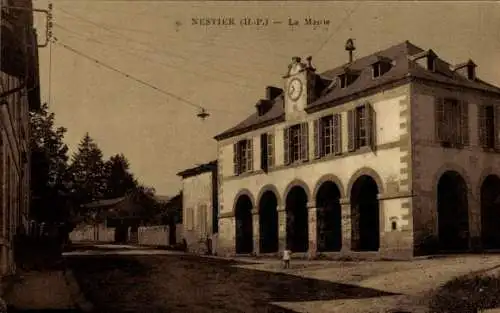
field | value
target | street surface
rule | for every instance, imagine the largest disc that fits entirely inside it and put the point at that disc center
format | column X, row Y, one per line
column 121, row 279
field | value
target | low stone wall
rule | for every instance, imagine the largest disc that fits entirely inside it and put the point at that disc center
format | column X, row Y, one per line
column 153, row 235
column 97, row 233
column 158, row 235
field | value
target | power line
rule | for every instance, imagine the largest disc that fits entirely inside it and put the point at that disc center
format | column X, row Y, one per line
column 338, row 27
column 151, row 60
column 50, row 74
column 129, row 76
column 214, row 68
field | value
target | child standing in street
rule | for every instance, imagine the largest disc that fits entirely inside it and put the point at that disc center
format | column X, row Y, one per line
column 286, row 258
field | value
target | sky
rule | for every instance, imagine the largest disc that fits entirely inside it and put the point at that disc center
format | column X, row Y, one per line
column 224, row 69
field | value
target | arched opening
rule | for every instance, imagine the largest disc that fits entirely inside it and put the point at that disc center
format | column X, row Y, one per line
column 297, row 223
column 490, row 212
column 365, row 215
column 328, row 218
column 268, row 223
column 453, row 212
column 244, row 227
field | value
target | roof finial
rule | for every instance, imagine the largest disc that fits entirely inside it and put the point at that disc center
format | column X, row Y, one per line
column 349, row 46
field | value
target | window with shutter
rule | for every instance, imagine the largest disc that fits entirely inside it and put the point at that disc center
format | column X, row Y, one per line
column 327, row 135
column 264, row 152
column 317, row 138
column 464, row 121
column 337, row 134
column 304, row 141
column 482, row 123
column 249, row 151
column 236, row 159
column 370, row 125
column 351, row 129
column 496, row 122
column 439, row 118
column 286, row 145
column 270, row 150
column 361, row 124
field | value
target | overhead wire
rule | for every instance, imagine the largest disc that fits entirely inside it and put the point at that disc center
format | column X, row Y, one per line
column 167, row 52
column 349, row 14
column 137, row 54
column 140, row 81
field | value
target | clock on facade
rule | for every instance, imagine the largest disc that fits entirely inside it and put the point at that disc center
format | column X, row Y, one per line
column 295, row 88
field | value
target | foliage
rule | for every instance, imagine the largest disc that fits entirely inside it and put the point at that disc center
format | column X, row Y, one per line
column 49, row 175
column 148, row 206
column 87, row 172
column 119, row 180
column 467, row 294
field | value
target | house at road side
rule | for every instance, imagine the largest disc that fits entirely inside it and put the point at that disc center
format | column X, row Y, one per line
column 200, row 206
column 19, row 94
column 394, row 154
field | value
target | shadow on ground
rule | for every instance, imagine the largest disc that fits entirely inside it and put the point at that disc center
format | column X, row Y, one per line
column 173, row 283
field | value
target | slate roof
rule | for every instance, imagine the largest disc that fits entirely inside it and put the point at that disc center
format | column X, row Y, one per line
column 202, row 168
column 404, row 68
column 103, row 203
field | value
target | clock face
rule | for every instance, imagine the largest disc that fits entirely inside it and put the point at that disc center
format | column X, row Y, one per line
column 295, row 88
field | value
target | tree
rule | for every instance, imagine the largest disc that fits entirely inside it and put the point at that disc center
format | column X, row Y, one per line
column 148, row 206
column 118, row 178
column 49, row 158
column 87, row 172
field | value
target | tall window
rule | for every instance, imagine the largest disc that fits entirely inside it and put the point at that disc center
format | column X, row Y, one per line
column 296, row 145
column 361, row 127
column 327, row 136
column 452, row 122
column 489, row 126
column 266, row 151
column 243, row 156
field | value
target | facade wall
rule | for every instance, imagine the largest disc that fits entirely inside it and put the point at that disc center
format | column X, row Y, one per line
column 387, row 164
column 197, row 202
column 431, row 160
column 17, row 63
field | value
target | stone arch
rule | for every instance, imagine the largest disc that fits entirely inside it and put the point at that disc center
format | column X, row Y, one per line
column 482, row 177
column 326, row 178
column 452, row 207
column 451, row 167
column 328, row 216
column 489, row 202
column 243, row 192
column 297, row 218
column 365, row 171
column 243, row 224
column 268, row 220
column 272, row 188
column 300, row 183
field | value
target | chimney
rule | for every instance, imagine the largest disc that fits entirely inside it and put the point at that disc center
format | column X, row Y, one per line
column 349, row 46
column 273, row 92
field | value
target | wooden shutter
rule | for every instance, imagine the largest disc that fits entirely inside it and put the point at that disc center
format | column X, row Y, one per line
column 369, row 126
column 249, row 143
column 351, row 130
column 317, row 139
column 236, row 159
column 482, row 126
column 263, row 152
column 464, row 123
column 286, row 146
column 337, row 134
column 270, row 150
column 496, row 123
column 439, row 118
column 304, row 141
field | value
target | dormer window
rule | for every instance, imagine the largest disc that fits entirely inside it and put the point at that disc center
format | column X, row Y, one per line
column 347, row 79
column 467, row 69
column 381, row 67
column 426, row 59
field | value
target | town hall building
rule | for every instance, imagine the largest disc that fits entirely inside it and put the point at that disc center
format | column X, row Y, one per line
column 395, row 154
